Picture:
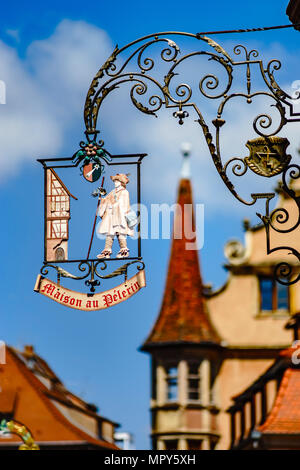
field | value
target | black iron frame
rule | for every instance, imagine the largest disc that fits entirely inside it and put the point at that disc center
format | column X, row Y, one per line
column 89, row 266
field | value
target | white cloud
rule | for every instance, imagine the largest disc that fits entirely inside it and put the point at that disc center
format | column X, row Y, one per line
column 64, row 64
column 25, row 126
column 45, row 91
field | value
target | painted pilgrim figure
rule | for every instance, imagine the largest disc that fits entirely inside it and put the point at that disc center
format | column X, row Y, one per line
column 112, row 210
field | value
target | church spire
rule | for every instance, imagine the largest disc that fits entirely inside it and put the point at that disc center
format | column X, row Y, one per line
column 183, row 317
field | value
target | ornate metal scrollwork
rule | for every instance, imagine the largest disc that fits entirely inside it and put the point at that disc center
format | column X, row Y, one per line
column 267, row 152
column 285, row 273
column 91, row 270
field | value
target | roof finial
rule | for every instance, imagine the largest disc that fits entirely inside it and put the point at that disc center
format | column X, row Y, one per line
column 186, row 152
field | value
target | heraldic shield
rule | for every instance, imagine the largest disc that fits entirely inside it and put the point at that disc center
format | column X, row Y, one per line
column 92, row 171
column 268, row 155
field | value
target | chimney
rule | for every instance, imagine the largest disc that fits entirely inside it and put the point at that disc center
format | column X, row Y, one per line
column 28, row 350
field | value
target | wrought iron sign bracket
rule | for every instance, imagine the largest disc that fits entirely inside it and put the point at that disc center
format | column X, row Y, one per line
column 267, row 151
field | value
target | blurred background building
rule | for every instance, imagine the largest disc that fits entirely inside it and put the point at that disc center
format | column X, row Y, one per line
column 267, row 414
column 33, row 395
column 207, row 346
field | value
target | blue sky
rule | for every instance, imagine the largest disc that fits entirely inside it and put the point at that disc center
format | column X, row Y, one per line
column 49, row 53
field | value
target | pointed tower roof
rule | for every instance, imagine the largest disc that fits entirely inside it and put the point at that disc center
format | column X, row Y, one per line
column 183, row 317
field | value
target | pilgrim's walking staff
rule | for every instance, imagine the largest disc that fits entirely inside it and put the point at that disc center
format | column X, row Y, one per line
column 98, row 192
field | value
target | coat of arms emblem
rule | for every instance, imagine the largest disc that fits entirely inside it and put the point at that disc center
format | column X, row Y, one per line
column 268, row 155
column 92, row 171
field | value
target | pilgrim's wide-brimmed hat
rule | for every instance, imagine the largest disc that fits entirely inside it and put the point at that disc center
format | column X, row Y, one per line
column 120, row 177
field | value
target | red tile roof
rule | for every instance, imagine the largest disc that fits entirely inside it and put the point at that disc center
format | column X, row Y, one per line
column 284, row 417
column 183, row 316
column 30, row 401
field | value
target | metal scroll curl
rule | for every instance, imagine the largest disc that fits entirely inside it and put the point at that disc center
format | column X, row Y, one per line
column 286, row 273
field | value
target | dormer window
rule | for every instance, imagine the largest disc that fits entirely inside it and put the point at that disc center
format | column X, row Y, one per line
column 274, row 296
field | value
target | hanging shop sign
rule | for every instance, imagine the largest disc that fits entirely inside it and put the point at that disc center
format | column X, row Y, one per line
column 114, row 223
